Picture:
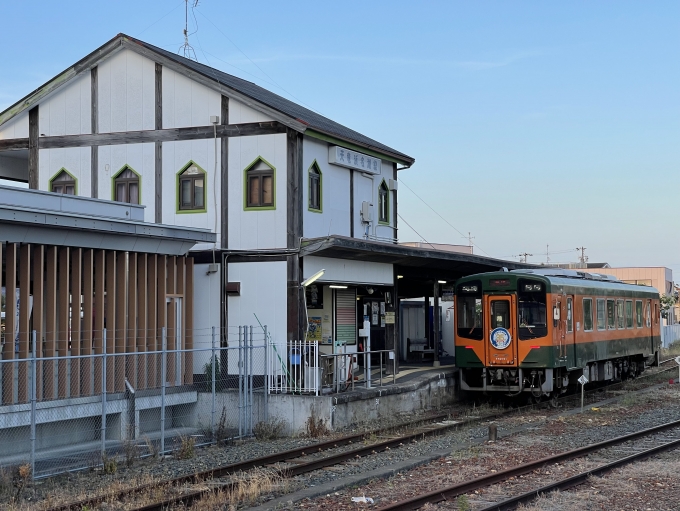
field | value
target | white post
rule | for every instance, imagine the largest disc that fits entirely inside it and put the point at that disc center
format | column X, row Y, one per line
column 212, row 363
column 103, row 431
column 164, row 361
column 266, row 375
column 34, row 374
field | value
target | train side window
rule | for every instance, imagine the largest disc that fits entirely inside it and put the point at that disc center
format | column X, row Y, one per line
column 629, row 313
column 601, row 315
column 638, row 313
column 620, row 320
column 611, row 314
column 656, row 313
column 570, row 315
column 648, row 314
column 587, row 314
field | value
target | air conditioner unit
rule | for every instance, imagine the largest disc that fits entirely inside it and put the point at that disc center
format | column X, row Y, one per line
column 393, row 185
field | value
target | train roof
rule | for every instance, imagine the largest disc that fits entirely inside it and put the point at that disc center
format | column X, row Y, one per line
column 573, row 278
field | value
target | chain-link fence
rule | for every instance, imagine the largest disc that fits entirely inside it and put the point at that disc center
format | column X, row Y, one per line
column 74, row 411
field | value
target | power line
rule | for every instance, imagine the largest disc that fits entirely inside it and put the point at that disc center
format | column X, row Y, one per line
column 159, row 19
column 445, row 220
column 253, row 63
column 421, row 237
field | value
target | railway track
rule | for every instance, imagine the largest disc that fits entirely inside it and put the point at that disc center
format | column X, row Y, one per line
column 296, row 461
column 289, row 463
column 657, row 435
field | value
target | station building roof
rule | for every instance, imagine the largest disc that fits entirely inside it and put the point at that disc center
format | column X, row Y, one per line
column 419, row 267
column 33, row 216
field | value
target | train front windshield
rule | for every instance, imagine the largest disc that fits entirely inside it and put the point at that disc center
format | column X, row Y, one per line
column 532, row 308
column 469, row 311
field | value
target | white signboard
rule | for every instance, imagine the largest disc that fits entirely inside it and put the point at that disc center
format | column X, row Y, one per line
column 583, row 380
column 677, row 360
column 351, row 159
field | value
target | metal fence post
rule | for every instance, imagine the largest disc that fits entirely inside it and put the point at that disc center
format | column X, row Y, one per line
column 164, row 358
column 212, row 363
column 34, row 374
column 250, row 359
column 266, row 375
column 240, row 384
column 103, row 432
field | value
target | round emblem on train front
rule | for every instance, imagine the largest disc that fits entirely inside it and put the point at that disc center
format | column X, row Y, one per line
column 500, row 338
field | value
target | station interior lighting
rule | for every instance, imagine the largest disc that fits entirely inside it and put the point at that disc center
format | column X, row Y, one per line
column 334, row 286
column 313, row 278
column 442, row 281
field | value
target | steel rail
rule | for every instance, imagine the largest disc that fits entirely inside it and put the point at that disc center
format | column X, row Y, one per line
column 450, row 492
column 250, row 463
column 188, row 498
column 579, row 479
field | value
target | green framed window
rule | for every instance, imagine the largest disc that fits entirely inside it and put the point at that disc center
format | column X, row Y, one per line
column 315, row 188
column 638, row 313
column 191, row 189
column 383, row 203
column 601, row 315
column 64, row 182
column 126, row 186
column 259, row 185
column 629, row 313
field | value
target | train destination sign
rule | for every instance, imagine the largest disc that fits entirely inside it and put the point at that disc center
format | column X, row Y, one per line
column 354, row 160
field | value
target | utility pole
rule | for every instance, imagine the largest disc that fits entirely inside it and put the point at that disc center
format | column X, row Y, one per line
column 583, row 254
column 523, row 257
column 469, row 237
column 547, row 255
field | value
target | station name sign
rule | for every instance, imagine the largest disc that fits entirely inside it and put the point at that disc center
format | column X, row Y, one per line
column 351, row 159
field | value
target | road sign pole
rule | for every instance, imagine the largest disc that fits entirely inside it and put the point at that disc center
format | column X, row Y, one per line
column 582, row 387
column 582, row 380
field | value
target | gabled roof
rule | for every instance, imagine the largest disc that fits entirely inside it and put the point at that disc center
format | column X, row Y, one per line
column 300, row 118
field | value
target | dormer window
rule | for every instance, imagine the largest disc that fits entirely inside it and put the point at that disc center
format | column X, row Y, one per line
column 315, row 188
column 383, row 204
column 191, row 189
column 64, row 183
column 259, row 178
column 126, row 186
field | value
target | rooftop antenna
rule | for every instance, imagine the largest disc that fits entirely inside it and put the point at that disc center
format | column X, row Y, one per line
column 186, row 50
column 523, row 257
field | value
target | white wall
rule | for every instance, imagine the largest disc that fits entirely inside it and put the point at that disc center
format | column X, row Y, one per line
column 206, row 312
column 127, row 96
column 12, row 167
column 15, row 128
column 74, row 159
column 68, row 110
column 142, row 159
column 257, row 229
column 366, row 189
column 335, row 203
column 175, row 156
column 348, row 271
column 240, row 113
column 263, row 292
column 186, row 102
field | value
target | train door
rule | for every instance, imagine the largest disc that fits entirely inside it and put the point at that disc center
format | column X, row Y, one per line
column 501, row 346
column 559, row 337
column 649, row 324
column 570, row 334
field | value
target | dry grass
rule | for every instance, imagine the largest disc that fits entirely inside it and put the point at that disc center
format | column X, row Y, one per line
column 186, row 449
column 247, row 489
column 270, row 430
column 316, row 427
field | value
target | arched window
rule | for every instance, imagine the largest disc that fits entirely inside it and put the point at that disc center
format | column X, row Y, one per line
column 64, row 183
column 126, row 186
column 315, row 188
column 191, row 188
column 259, row 178
column 383, row 203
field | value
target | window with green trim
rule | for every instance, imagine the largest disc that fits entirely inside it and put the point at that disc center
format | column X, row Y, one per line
column 383, row 203
column 192, row 189
column 63, row 183
column 260, row 186
column 314, row 188
column 127, row 186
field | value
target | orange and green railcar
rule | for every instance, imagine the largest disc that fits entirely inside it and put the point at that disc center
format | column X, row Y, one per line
column 539, row 331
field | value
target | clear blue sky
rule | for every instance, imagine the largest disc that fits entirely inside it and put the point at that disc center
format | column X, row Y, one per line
column 532, row 123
